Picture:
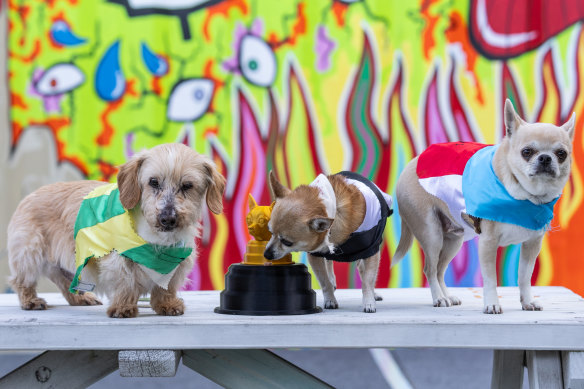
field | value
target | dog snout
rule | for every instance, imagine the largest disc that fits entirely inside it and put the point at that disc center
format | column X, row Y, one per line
column 269, row 253
column 544, row 159
column 167, row 218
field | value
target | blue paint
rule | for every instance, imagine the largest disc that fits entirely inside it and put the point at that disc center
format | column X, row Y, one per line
column 110, row 83
column 61, row 33
column 469, row 277
column 156, row 64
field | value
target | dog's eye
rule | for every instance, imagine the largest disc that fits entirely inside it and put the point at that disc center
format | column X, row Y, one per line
column 186, row 186
column 527, row 153
column 562, row 155
column 286, row 242
column 154, row 183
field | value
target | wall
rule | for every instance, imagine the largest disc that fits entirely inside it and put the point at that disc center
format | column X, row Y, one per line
column 300, row 87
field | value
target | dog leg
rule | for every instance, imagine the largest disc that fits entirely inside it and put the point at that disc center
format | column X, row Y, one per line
column 450, row 247
column 26, row 259
column 330, row 270
column 328, row 291
column 488, row 261
column 529, row 252
column 165, row 302
column 62, row 279
column 368, row 272
column 431, row 243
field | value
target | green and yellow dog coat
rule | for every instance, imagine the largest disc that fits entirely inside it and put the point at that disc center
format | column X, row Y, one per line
column 103, row 225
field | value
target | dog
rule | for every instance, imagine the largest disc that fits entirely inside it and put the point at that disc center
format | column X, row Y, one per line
column 504, row 193
column 339, row 217
column 161, row 200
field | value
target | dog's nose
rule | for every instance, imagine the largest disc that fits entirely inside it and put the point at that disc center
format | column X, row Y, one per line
column 544, row 159
column 269, row 254
column 167, row 218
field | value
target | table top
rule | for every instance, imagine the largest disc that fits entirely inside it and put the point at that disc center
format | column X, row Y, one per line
column 405, row 318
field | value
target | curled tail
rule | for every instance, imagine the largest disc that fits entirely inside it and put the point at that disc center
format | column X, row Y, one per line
column 405, row 242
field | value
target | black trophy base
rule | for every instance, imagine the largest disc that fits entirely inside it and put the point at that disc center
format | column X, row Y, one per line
column 267, row 290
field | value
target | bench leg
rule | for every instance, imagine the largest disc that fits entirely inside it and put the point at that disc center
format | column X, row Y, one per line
column 573, row 366
column 544, row 369
column 148, row 363
column 508, row 369
column 249, row 369
column 62, row 369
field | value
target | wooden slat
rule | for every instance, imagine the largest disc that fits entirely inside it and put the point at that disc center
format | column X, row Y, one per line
column 249, row 369
column 573, row 367
column 148, row 363
column 544, row 369
column 62, row 369
column 508, row 369
column 405, row 318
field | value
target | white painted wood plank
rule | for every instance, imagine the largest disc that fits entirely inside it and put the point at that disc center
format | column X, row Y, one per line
column 405, row 318
column 573, row 367
column 508, row 369
column 250, row 369
column 148, row 363
column 544, row 369
column 62, row 369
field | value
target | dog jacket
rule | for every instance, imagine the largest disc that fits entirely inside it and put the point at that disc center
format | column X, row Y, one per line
column 461, row 174
column 365, row 241
column 103, row 225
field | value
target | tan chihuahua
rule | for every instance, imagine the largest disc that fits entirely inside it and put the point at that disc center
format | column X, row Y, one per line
column 339, row 217
column 505, row 193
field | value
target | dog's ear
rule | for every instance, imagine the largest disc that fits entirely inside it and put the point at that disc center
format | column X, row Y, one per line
column 128, row 185
column 569, row 125
column 512, row 120
column 277, row 190
column 215, row 189
column 320, row 224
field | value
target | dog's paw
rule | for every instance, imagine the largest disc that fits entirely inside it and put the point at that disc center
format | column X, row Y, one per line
column 532, row 306
column 493, row 309
column 454, row 300
column 122, row 311
column 442, row 302
column 174, row 307
column 369, row 308
column 377, row 297
column 35, row 304
column 331, row 304
column 85, row 299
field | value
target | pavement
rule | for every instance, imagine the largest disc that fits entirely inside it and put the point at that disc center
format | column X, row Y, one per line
column 341, row 368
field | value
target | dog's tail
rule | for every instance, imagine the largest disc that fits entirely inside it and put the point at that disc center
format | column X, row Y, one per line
column 405, row 242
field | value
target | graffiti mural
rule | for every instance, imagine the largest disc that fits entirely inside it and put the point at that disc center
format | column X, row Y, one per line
column 300, row 87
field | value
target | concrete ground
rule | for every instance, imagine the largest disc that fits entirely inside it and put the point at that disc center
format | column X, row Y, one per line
column 341, row 368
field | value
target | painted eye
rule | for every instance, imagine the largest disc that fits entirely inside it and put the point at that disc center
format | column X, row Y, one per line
column 190, row 99
column 527, row 153
column 59, row 79
column 154, row 183
column 285, row 242
column 257, row 61
column 562, row 155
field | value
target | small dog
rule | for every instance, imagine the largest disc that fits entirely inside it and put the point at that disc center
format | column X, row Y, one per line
column 161, row 194
column 340, row 217
column 505, row 193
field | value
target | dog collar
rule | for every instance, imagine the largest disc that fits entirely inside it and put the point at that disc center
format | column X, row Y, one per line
column 326, row 194
column 103, row 225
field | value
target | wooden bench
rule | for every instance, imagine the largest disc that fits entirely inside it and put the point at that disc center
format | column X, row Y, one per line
column 83, row 344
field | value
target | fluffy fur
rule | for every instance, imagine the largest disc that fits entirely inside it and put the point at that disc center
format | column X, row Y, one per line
column 164, row 188
column 299, row 217
column 533, row 163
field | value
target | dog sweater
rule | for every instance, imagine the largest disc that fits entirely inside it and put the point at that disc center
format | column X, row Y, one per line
column 103, row 225
column 365, row 241
column 461, row 174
